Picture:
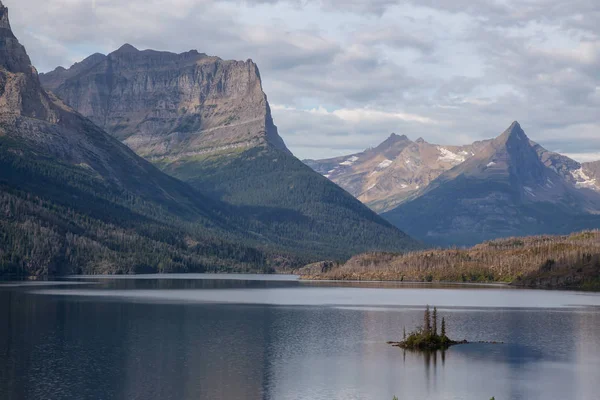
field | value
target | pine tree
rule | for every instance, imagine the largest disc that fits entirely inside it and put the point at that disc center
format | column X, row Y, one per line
column 404, row 334
column 434, row 329
column 427, row 321
column 443, row 327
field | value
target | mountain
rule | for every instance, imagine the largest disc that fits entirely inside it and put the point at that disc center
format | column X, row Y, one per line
column 170, row 108
column 207, row 122
column 393, row 172
column 510, row 186
column 76, row 200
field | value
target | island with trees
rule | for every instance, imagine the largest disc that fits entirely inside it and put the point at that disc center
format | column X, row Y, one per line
column 427, row 337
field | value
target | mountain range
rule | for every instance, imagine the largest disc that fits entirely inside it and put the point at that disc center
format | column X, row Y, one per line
column 75, row 199
column 462, row 195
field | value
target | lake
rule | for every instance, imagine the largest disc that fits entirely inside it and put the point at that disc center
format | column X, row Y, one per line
column 274, row 337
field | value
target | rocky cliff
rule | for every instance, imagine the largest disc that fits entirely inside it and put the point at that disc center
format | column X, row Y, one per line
column 170, row 107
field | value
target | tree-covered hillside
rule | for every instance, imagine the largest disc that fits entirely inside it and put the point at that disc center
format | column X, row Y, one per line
column 293, row 202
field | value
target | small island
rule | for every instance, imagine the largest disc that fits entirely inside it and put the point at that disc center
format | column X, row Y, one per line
column 427, row 338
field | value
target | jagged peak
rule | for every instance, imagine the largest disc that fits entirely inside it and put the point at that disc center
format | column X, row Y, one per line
column 4, row 22
column 126, row 48
column 515, row 129
column 96, row 57
column 23, row 96
column 392, row 145
column 394, row 138
column 420, row 140
column 514, row 132
column 14, row 57
column 194, row 52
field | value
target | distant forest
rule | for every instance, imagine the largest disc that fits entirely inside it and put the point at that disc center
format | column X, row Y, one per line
column 571, row 261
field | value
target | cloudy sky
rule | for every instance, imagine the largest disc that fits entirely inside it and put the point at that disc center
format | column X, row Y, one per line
column 341, row 75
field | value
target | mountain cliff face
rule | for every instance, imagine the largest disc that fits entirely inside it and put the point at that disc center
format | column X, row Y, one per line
column 170, row 108
column 393, row 172
column 207, row 122
column 510, row 187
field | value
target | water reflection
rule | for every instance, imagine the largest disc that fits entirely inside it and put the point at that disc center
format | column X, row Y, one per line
column 89, row 348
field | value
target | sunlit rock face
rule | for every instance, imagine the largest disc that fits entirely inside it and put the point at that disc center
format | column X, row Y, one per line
column 170, row 107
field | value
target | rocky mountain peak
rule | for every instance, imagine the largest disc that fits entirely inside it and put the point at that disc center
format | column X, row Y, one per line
column 4, row 23
column 20, row 89
column 13, row 56
column 513, row 133
column 126, row 48
column 397, row 137
column 393, row 141
column 52, row 80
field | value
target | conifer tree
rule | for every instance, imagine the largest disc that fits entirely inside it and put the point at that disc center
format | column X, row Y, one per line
column 434, row 327
column 443, row 327
column 427, row 321
column 404, row 334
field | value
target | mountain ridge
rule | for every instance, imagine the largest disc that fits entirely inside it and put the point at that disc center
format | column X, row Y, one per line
column 504, row 190
column 515, row 187
column 391, row 173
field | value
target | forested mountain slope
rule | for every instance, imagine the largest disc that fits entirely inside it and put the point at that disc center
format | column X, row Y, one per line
column 207, row 121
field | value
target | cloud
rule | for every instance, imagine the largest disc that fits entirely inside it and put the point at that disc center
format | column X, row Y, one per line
column 343, row 75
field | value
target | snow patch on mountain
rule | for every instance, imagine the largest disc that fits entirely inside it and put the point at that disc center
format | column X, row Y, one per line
column 349, row 161
column 384, row 164
column 447, row 155
column 584, row 181
column 491, row 164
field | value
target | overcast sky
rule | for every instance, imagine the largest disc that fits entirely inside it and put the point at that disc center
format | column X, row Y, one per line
column 342, row 75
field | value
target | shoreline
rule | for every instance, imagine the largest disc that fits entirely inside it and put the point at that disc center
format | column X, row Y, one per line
column 405, row 282
column 497, row 285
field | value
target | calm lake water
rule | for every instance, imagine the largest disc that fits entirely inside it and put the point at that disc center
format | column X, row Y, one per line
column 273, row 337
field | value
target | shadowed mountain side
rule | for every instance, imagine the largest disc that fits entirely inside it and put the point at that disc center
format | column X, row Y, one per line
column 505, row 190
